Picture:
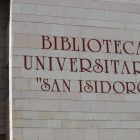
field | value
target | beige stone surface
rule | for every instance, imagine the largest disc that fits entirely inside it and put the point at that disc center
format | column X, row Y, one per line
column 47, row 115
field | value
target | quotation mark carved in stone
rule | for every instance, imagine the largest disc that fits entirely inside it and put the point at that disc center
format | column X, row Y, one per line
column 38, row 79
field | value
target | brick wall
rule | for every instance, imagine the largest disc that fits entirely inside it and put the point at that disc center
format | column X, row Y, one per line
column 72, row 115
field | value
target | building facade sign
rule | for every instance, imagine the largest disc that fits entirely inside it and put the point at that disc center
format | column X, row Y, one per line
column 74, row 70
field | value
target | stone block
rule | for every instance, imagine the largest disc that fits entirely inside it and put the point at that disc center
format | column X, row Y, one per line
column 69, row 124
column 75, row 134
column 29, row 114
column 16, row 8
column 17, row 133
column 60, row 134
column 45, row 133
column 45, row 115
column 22, row 104
column 90, row 134
column 30, row 134
column 53, row 123
column 38, row 123
column 21, row 123
column 105, row 134
column 21, row 40
column 28, row 8
column 43, row 29
column 60, row 115
column 38, row 105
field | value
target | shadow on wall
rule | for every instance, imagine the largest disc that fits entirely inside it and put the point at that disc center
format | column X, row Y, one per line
column 4, row 72
column 2, row 137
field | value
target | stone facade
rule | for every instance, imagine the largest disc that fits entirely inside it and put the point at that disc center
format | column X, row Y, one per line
column 75, row 114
